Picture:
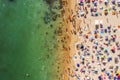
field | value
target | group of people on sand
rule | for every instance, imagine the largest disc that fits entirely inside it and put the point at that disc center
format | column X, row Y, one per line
column 98, row 50
column 92, row 5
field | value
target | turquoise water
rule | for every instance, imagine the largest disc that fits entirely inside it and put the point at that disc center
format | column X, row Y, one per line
column 27, row 42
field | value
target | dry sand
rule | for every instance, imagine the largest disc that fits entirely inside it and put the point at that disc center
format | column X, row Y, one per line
column 71, row 28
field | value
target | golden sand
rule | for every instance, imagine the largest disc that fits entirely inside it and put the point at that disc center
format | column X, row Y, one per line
column 70, row 26
column 68, row 38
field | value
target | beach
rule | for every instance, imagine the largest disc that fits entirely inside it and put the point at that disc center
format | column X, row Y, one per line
column 94, row 42
column 59, row 40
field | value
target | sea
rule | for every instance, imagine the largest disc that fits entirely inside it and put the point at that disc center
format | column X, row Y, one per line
column 27, row 39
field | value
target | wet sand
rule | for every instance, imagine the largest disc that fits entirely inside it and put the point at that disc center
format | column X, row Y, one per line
column 68, row 38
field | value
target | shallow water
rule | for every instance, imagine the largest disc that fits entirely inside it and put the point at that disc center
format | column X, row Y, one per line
column 26, row 42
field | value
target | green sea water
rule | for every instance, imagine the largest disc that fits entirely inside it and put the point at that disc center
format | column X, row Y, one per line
column 27, row 40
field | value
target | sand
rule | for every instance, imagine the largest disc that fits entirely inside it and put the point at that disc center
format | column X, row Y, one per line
column 72, row 25
column 69, row 37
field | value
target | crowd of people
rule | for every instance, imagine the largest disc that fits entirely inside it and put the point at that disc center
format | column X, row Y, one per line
column 94, row 5
column 98, row 49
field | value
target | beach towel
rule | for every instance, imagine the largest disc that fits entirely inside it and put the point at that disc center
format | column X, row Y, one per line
column 96, row 22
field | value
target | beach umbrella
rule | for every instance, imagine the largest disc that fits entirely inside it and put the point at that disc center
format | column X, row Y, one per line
column 118, row 76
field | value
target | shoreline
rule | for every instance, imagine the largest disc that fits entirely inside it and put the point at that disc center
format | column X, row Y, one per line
column 69, row 37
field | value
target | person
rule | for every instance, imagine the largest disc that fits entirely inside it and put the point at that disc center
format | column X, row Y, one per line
column 109, row 59
column 115, row 77
column 81, row 3
column 78, row 65
column 93, row 1
column 106, row 2
column 100, row 77
column 79, row 78
column 113, row 1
